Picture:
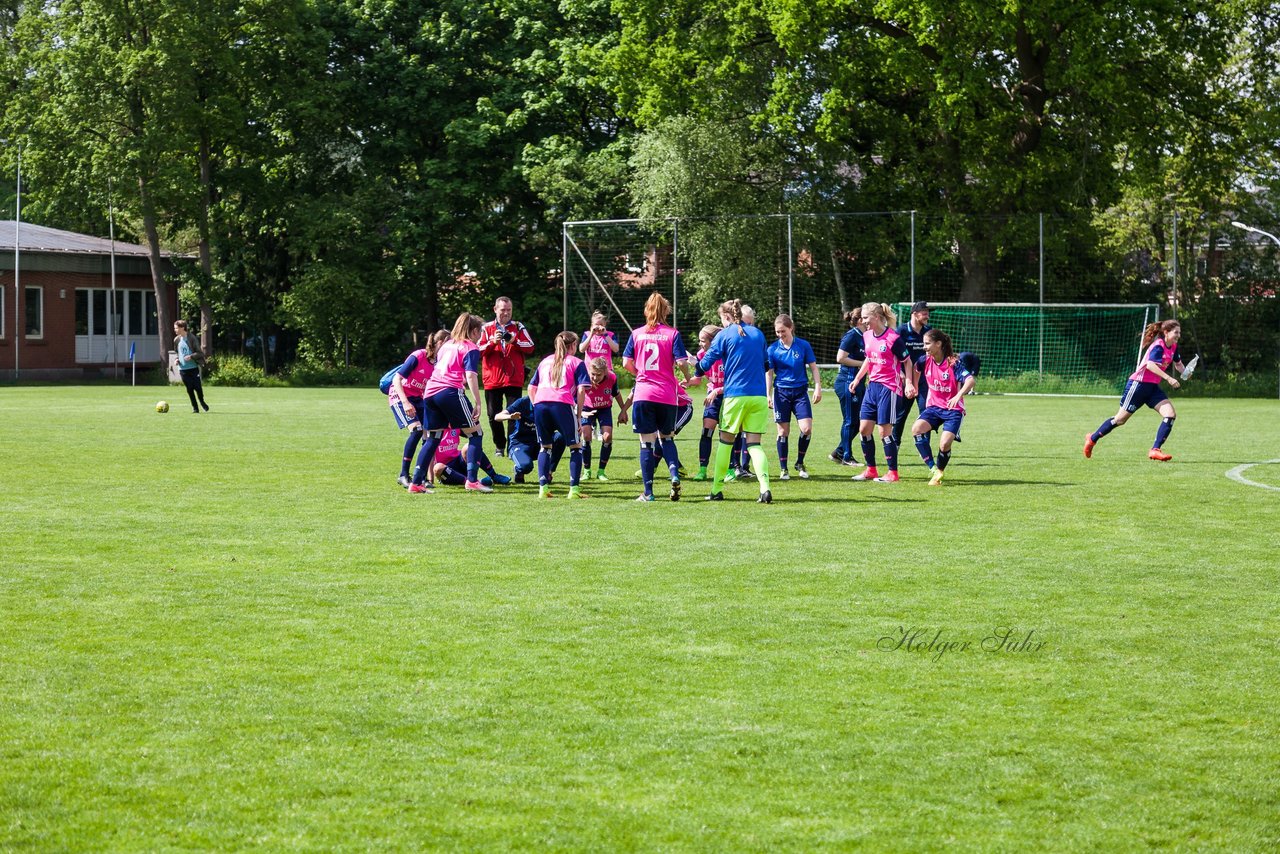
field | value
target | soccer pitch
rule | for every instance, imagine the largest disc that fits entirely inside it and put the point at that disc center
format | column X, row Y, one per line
column 234, row 631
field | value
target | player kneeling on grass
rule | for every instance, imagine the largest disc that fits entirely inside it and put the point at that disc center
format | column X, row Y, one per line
column 948, row 382
column 1160, row 346
column 522, row 441
column 598, row 413
column 451, row 467
column 558, row 389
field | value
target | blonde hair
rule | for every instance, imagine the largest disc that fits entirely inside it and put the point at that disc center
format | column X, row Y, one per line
column 599, row 314
column 709, row 331
column 656, row 310
column 873, row 309
column 733, row 308
column 465, row 326
column 565, row 343
column 598, row 366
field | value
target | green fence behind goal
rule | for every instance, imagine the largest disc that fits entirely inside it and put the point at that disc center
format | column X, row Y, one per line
column 1067, row 348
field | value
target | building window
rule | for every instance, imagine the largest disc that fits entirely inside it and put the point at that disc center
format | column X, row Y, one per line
column 135, row 312
column 35, row 312
column 118, row 297
column 3, row 306
column 153, row 323
column 82, row 312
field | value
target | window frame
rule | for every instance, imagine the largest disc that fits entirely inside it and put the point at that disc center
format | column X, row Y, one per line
column 26, row 312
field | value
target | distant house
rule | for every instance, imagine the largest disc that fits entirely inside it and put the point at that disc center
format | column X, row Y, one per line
column 60, row 324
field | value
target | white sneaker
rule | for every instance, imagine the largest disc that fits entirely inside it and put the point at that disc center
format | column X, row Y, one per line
column 784, row 475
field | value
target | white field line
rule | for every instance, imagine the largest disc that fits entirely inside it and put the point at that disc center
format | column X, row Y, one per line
column 1237, row 474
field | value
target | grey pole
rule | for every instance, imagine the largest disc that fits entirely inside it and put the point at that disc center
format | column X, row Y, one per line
column 1175, row 264
column 675, row 271
column 17, row 285
column 791, row 275
column 913, row 257
column 1041, row 297
column 564, row 271
column 111, row 225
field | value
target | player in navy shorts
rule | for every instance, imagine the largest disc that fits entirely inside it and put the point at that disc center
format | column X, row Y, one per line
column 849, row 356
column 1160, row 352
column 791, row 362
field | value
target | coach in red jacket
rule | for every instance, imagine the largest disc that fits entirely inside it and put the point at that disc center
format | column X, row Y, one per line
column 504, row 345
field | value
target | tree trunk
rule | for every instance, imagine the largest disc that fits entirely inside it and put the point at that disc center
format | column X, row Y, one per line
column 163, row 319
column 839, row 277
column 979, row 271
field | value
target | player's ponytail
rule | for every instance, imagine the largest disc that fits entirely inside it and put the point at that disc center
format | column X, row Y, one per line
column 890, row 319
column 733, row 310
column 1149, row 334
column 433, row 344
column 656, row 311
column 465, row 326
column 853, row 317
column 566, row 342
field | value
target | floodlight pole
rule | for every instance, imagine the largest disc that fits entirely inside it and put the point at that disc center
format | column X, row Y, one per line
column 17, row 288
column 111, row 225
column 1275, row 240
column 564, row 270
column 913, row 257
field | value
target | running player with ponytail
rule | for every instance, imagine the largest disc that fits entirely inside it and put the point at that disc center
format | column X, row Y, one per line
column 948, row 382
column 1160, row 352
column 886, row 367
column 558, row 388
column 653, row 353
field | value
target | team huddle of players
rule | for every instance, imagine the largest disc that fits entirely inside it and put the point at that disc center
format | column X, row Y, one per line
column 569, row 401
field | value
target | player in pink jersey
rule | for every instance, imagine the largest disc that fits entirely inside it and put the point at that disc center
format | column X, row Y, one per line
column 886, row 367
column 1159, row 353
column 445, row 402
column 558, row 390
column 710, row 403
column 405, row 397
column 653, row 353
column 597, row 413
column 948, row 381
column 598, row 342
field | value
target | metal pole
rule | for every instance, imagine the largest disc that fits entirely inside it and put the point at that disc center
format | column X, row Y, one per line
column 675, row 268
column 791, row 274
column 564, row 271
column 17, row 288
column 913, row 257
column 111, row 225
column 1041, row 297
column 1277, row 242
column 1175, row 263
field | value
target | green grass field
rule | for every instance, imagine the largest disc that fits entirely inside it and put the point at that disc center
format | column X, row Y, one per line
column 234, row 631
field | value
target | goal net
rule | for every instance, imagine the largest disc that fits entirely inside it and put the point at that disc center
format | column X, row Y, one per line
column 1067, row 347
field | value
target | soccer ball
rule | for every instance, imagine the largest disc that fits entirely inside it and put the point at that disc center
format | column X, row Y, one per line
column 162, row 406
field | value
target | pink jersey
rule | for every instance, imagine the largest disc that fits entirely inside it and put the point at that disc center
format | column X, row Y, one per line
column 715, row 376
column 885, row 353
column 448, row 447
column 598, row 346
column 1159, row 352
column 566, row 392
column 416, row 381
column 942, row 382
column 682, row 396
column 655, row 352
column 601, row 396
column 450, row 370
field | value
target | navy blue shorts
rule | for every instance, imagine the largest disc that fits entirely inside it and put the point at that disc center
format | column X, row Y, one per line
column 649, row 416
column 1138, row 394
column 455, row 471
column 523, row 457
column 551, row 418
column 448, row 409
column 788, row 401
column 602, row 418
column 683, row 417
column 881, row 404
column 948, row 419
column 712, row 410
column 402, row 419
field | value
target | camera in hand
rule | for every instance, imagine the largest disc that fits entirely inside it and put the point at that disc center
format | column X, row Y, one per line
column 505, row 336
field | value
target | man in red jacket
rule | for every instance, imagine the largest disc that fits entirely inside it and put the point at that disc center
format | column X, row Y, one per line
column 504, row 345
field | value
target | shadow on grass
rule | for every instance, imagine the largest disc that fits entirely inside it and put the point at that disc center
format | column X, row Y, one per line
column 959, row 481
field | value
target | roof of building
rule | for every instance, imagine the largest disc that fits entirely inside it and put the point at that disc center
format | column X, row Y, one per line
column 39, row 238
